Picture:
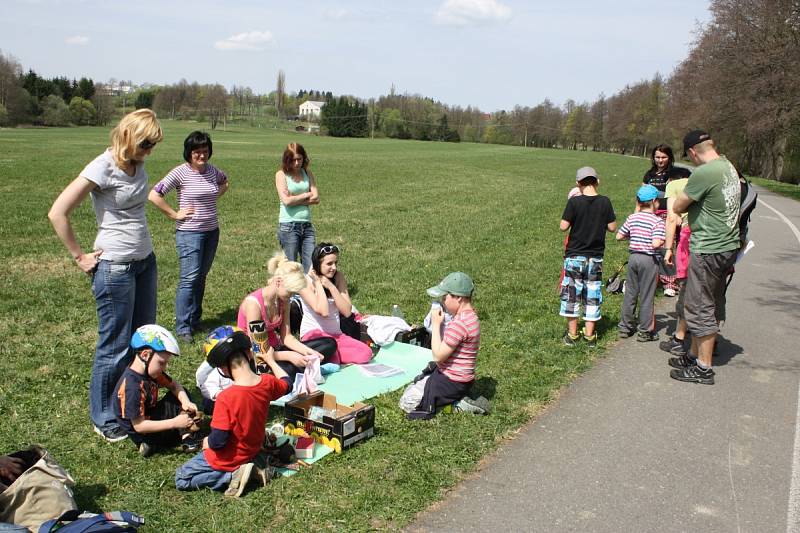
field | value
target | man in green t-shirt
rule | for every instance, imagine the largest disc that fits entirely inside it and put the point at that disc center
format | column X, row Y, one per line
column 711, row 199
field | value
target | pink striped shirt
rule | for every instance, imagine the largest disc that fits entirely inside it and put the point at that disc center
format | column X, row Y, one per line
column 463, row 333
column 642, row 228
column 199, row 190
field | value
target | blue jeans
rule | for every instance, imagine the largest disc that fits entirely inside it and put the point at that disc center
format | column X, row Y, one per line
column 196, row 251
column 125, row 296
column 196, row 473
column 298, row 237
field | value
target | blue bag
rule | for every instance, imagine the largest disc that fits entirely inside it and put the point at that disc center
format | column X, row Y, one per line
column 77, row 522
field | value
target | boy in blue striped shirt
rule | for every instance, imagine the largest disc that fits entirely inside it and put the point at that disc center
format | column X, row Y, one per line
column 646, row 232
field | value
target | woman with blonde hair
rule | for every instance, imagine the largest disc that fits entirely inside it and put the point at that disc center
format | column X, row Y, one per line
column 297, row 191
column 264, row 315
column 121, row 264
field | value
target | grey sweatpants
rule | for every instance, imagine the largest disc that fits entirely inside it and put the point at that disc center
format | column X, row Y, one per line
column 640, row 285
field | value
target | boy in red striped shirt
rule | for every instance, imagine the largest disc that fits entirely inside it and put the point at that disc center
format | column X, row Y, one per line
column 455, row 351
column 646, row 233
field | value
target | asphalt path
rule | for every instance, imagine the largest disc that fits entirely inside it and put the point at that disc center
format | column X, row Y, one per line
column 626, row 448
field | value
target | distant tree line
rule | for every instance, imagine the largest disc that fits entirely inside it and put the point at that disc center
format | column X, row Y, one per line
column 739, row 81
column 27, row 98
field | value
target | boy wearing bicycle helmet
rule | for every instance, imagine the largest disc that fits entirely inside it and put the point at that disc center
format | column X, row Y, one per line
column 240, row 415
column 152, row 423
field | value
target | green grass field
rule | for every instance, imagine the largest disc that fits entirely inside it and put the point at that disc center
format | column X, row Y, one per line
column 785, row 189
column 405, row 214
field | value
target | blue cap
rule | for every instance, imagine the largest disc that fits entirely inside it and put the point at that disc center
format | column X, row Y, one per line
column 647, row 193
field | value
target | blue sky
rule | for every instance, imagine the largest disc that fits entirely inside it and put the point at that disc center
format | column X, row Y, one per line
column 492, row 54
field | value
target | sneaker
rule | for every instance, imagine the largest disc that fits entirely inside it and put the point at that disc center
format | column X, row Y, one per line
column 670, row 292
column 478, row 406
column 264, row 475
column 146, row 450
column 693, row 374
column 569, row 340
column 647, row 336
column 682, row 361
column 591, row 341
column 239, row 480
column 186, row 337
column 679, row 350
column 673, row 343
column 192, row 444
column 625, row 333
column 112, row 433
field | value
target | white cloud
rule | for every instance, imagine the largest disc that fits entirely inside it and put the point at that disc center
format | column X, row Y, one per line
column 465, row 12
column 80, row 40
column 335, row 13
column 251, row 40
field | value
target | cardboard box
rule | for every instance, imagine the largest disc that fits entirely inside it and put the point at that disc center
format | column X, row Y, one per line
column 350, row 424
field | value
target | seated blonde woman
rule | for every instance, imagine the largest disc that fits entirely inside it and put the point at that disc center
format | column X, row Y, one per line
column 264, row 315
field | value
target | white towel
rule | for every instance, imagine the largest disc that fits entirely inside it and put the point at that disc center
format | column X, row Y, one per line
column 383, row 329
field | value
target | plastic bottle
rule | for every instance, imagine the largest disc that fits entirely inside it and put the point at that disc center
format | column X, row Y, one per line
column 396, row 311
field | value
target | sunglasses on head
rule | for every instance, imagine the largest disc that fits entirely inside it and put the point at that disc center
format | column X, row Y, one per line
column 325, row 250
column 146, row 144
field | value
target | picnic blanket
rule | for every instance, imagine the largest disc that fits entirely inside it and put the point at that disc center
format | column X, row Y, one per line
column 350, row 385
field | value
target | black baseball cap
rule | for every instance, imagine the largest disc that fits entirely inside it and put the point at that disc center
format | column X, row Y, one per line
column 693, row 138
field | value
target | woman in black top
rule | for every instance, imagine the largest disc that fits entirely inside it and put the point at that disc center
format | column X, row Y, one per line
column 662, row 172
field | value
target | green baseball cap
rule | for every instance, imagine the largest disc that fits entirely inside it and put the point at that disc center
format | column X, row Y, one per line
column 456, row 283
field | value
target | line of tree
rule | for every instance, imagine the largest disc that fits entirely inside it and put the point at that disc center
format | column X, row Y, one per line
column 739, row 81
column 345, row 117
column 30, row 98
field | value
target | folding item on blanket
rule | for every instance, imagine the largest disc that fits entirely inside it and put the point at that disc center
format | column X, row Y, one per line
column 312, row 376
column 383, row 329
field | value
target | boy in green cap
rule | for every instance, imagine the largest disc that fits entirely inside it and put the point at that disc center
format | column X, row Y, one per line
column 454, row 352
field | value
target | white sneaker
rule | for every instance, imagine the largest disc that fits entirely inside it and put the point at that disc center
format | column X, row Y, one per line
column 670, row 292
column 478, row 406
column 239, row 480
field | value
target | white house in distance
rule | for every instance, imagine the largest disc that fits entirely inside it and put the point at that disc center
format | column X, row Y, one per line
column 311, row 109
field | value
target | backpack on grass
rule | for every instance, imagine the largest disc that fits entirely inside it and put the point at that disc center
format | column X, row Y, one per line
column 77, row 522
column 616, row 283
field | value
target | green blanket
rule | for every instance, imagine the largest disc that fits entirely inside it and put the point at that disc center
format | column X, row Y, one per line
column 350, row 385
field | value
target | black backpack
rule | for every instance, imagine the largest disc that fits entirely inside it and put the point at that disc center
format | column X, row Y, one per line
column 747, row 203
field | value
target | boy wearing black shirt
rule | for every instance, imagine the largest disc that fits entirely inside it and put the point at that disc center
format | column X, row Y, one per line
column 587, row 217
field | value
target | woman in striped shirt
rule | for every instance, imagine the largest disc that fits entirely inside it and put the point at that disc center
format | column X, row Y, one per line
column 199, row 185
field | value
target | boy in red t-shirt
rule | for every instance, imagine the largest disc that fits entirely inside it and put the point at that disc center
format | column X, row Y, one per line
column 240, row 414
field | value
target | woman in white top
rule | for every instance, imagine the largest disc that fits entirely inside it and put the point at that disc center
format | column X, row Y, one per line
column 121, row 264
column 325, row 301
